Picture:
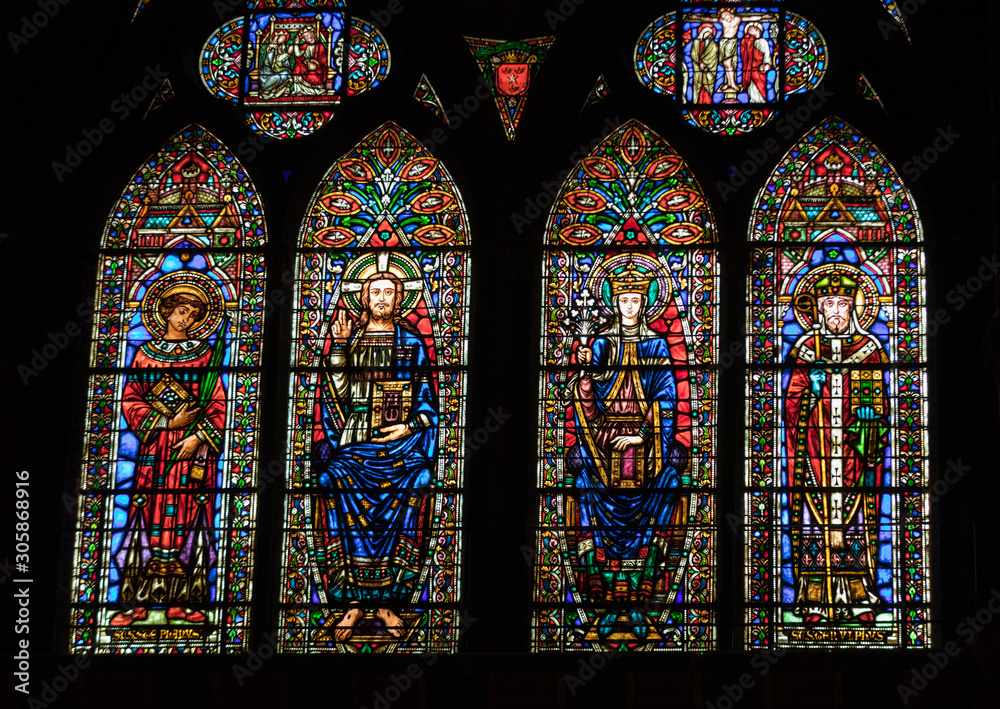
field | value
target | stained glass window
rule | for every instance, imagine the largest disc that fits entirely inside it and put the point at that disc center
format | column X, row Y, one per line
column 892, row 7
column 836, row 506
column 165, row 534
column 164, row 94
column 139, row 8
column 736, row 64
column 625, row 555
column 285, row 64
column 374, row 506
column 427, row 96
column 865, row 90
column 598, row 93
column 507, row 67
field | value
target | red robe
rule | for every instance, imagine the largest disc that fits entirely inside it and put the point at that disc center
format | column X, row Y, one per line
column 834, row 531
column 169, row 546
column 317, row 76
column 753, row 59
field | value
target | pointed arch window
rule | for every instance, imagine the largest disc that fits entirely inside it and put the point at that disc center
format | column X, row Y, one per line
column 166, row 526
column 374, row 506
column 625, row 555
column 836, row 502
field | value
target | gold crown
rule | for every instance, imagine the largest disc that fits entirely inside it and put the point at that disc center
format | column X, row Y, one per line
column 630, row 280
column 515, row 56
column 836, row 283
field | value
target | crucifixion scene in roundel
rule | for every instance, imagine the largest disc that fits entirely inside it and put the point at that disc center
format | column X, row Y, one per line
column 730, row 65
column 625, row 556
column 167, row 500
column 837, row 517
column 373, row 518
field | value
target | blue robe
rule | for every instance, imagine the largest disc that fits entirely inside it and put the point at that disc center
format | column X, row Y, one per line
column 625, row 507
column 375, row 505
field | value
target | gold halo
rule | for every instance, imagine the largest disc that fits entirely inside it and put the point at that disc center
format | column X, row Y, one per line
column 602, row 273
column 191, row 283
column 365, row 266
column 866, row 300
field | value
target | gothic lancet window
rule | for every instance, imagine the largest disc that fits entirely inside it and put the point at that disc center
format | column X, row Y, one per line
column 374, row 505
column 836, row 503
column 628, row 394
column 166, row 525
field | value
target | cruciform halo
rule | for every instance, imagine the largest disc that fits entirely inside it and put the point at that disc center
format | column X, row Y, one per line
column 367, row 265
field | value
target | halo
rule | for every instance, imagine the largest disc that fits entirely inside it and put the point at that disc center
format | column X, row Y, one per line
column 363, row 267
column 866, row 300
column 191, row 283
column 659, row 293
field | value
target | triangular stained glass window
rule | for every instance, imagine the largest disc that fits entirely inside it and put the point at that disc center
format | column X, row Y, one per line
column 164, row 93
column 426, row 95
column 507, row 67
column 597, row 94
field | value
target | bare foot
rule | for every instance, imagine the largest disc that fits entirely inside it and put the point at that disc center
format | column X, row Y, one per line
column 393, row 623
column 345, row 626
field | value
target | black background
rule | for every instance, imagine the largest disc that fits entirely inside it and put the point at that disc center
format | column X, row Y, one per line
column 66, row 78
